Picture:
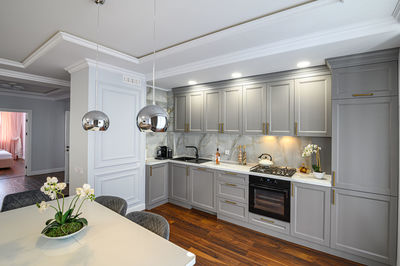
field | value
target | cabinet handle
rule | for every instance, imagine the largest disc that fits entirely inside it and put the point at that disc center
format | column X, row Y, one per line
column 333, row 178
column 333, row 197
column 263, row 128
column 151, row 170
column 219, row 128
column 222, row 127
column 201, row 169
column 295, row 128
column 363, row 94
column 231, row 185
column 229, row 173
column 230, row 202
column 187, row 170
column 292, row 190
column 266, row 220
column 267, row 128
column 187, row 126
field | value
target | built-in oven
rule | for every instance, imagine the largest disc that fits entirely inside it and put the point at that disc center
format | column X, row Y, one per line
column 269, row 197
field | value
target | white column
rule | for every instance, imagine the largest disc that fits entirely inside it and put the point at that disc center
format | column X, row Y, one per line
column 112, row 161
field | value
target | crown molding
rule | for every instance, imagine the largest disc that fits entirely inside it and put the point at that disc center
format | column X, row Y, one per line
column 29, row 95
column 12, row 63
column 305, row 41
column 31, row 77
column 157, row 88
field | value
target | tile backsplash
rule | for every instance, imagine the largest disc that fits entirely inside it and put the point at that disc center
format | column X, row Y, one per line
column 285, row 151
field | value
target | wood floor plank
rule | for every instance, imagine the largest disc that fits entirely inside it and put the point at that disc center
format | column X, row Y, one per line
column 217, row 242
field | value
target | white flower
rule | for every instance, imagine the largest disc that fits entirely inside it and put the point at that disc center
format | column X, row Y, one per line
column 43, row 206
column 86, row 188
column 80, row 192
column 61, row 186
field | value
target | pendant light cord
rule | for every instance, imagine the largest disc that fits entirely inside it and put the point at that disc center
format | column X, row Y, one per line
column 154, row 52
column 97, row 54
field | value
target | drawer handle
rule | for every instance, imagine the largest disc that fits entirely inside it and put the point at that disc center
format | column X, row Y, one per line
column 266, row 220
column 363, row 94
column 333, row 197
column 230, row 202
column 333, row 178
column 151, row 170
column 267, row 129
column 201, row 169
column 229, row 173
column 263, row 128
column 231, row 185
column 295, row 128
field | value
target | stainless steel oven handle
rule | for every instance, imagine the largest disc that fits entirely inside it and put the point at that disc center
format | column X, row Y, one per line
column 273, row 189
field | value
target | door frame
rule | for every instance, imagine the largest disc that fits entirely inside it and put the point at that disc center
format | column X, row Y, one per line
column 28, row 137
column 66, row 123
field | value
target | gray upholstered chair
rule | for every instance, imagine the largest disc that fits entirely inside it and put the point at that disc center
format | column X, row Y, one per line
column 23, row 199
column 151, row 221
column 114, row 203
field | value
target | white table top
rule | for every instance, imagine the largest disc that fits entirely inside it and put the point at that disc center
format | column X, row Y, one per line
column 110, row 239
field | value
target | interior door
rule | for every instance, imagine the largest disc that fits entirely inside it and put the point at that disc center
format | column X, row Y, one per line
column 66, row 156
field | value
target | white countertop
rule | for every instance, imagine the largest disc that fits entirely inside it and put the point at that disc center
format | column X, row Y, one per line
column 109, row 239
column 245, row 169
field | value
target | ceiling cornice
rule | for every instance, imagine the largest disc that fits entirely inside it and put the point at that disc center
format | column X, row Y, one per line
column 32, row 77
column 32, row 95
column 306, row 41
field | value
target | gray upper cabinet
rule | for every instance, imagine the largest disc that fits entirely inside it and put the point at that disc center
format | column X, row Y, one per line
column 180, row 113
column 365, row 75
column 202, row 188
column 194, row 111
column 179, row 182
column 254, row 109
column 313, row 106
column 280, row 108
column 157, row 183
column 212, row 111
column 231, row 110
column 365, row 144
column 364, row 224
column 310, row 213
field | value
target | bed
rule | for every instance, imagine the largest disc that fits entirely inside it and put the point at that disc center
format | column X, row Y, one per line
column 6, row 159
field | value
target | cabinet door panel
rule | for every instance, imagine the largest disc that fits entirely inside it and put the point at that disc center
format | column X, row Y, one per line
column 179, row 187
column 313, row 106
column 212, row 111
column 280, row 108
column 202, row 188
column 232, row 110
column 195, row 112
column 364, row 224
column 157, row 183
column 254, row 109
column 310, row 213
column 180, row 113
column 365, row 144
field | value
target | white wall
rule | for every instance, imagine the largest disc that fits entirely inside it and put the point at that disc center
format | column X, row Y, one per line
column 47, row 147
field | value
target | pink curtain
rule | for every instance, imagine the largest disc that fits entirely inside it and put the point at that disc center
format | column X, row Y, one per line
column 12, row 133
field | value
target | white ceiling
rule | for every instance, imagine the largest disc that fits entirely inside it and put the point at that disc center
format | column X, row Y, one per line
column 314, row 30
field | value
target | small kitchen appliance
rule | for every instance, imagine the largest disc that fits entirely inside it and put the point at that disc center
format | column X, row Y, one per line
column 162, row 153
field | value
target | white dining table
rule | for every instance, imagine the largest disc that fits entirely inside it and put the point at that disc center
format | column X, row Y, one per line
column 109, row 239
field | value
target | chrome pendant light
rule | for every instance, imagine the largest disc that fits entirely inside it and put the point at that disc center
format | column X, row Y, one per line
column 153, row 118
column 96, row 120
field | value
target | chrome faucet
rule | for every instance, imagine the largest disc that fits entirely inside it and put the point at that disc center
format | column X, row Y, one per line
column 197, row 151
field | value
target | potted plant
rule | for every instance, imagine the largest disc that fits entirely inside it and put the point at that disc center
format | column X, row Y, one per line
column 308, row 151
column 67, row 221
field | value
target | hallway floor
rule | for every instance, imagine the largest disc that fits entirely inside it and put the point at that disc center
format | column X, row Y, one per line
column 17, row 169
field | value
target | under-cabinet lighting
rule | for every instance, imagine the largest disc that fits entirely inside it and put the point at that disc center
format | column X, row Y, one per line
column 303, row 64
column 192, row 82
column 236, row 75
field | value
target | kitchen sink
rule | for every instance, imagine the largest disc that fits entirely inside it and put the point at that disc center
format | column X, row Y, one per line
column 191, row 160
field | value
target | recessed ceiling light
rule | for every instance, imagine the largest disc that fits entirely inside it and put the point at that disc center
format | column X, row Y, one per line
column 236, row 75
column 192, row 82
column 302, row 64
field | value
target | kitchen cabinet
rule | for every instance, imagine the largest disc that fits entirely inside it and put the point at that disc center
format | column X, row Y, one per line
column 189, row 112
column 365, row 144
column 179, row 183
column 280, row 108
column 202, row 188
column 313, row 106
column 364, row 224
column 233, row 209
column 269, row 223
column 310, row 213
column 156, row 184
column 254, row 109
column 212, row 111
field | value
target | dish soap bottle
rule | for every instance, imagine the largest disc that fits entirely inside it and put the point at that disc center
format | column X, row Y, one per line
column 217, row 157
column 240, row 155
column 244, row 155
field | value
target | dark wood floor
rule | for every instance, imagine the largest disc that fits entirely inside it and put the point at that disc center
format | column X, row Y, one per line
column 216, row 242
column 17, row 169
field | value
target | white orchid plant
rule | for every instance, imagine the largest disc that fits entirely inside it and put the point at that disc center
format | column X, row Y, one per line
column 53, row 189
column 311, row 149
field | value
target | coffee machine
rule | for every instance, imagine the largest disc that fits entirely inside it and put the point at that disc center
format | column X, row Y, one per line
column 163, row 152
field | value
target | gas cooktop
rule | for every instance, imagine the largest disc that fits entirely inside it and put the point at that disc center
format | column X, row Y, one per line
column 274, row 170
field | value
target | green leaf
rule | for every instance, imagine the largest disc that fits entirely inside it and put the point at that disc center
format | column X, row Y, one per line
column 49, row 221
column 83, row 221
column 58, row 217
column 51, row 225
column 66, row 215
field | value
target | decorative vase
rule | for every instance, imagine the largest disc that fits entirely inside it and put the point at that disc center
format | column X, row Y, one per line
column 319, row 175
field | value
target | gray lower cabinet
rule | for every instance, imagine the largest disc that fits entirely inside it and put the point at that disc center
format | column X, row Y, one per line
column 365, row 144
column 254, row 109
column 364, row 224
column 310, row 213
column 280, row 108
column 179, row 182
column 233, row 209
column 202, row 188
column 157, row 184
column 313, row 106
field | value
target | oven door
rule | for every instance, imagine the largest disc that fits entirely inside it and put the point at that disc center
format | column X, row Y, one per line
column 270, row 201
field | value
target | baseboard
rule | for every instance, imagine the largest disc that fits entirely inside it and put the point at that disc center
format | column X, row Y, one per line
column 137, row 207
column 154, row 205
column 46, row 171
